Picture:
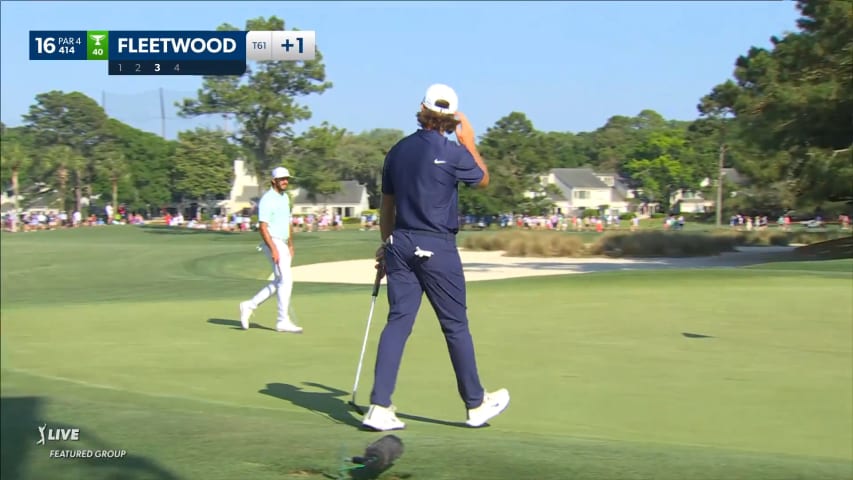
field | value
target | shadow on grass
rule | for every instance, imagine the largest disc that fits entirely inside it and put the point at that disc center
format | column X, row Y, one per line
column 326, row 402
column 235, row 324
column 164, row 230
column 20, row 419
column 372, row 474
column 332, row 402
column 696, row 335
column 839, row 248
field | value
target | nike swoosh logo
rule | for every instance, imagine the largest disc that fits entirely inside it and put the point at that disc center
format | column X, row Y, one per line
column 439, row 162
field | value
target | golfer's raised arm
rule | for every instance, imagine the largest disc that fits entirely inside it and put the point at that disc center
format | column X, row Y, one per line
column 466, row 137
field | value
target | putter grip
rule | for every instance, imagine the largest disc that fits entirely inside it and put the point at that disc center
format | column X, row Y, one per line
column 378, row 281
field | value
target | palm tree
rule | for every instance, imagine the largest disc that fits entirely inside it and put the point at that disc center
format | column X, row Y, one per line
column 80, row 167
column 112, row 165
column 15, row 159
column 60, row 161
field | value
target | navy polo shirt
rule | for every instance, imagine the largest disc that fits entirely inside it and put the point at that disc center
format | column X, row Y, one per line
column 422, row 171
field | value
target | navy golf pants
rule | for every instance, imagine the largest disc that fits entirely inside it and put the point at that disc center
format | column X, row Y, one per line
column 440, row 276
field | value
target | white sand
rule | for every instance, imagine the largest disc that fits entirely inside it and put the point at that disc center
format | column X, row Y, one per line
column 481, row 266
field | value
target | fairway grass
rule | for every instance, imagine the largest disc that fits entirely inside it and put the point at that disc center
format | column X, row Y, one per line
column 133, row 338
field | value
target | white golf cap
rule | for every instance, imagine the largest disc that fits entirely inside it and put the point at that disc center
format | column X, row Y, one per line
column 280, row 172
column 441, row 98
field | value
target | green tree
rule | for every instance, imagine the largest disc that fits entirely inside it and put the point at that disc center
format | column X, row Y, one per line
column 263, row 102
column 658, row 167
column 315, row 152
column 150, row 166
column 360, row 157
column 111, row 165
column 15, row 159
column 79, row 168
column 479, row 201
column 796, row 98
column 834, row 171
column 613, row 143
column 204, row 165
column 712, row 136
column 512, row 151
column 560, row 150
column 773, row 199
column 59, row 118
column 57, row 164
column 71, row 119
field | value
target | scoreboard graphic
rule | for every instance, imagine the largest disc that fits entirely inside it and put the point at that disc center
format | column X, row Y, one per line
column 172, row 52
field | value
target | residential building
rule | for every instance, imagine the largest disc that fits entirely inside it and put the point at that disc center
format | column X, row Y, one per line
column 245, row 191
column 350, row 201
column 690, row 201
column 583, row 188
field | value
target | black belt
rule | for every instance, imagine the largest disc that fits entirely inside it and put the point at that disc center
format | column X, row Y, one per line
column 428, row 233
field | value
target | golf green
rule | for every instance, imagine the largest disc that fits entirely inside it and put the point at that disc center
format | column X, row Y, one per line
column 131, row 335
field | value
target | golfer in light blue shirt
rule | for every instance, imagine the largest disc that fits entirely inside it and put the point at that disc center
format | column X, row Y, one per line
column 277, row 234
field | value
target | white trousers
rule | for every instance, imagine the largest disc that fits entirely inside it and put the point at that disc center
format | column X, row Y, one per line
column 282, row 284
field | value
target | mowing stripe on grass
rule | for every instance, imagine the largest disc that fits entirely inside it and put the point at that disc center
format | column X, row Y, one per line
column 167, row 396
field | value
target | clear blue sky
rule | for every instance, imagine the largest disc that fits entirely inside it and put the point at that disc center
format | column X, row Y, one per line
column 568, row 65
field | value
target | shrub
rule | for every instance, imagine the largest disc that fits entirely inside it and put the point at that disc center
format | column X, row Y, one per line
column 648, row 243
column 782, row 238
column 482, row 242
column 626, row 216
column 807, row 237
column 779, row 239
column 352, row 220
column 528, row 244
column 561, row 245
column 757, row 238
column 662, row 244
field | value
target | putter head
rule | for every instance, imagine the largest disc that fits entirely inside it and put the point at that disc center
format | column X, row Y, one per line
column 356, row 407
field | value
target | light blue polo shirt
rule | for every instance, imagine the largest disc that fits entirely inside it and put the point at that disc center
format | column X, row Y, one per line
column 274, row 210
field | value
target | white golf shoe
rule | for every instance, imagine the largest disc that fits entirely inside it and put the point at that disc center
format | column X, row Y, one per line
column 493, row 404
column 382, row 419
column 288, row 327
column 245, row 313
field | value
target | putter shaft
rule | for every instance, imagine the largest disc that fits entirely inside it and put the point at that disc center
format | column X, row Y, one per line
column 364, row 342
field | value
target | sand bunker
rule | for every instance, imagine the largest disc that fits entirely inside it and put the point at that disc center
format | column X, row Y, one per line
column 481, row 266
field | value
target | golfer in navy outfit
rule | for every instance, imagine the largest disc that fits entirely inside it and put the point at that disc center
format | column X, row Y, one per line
column 419, row 221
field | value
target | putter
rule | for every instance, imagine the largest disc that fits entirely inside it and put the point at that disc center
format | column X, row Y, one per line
column 364, row 343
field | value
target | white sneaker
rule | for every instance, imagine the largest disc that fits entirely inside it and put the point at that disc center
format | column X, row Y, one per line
column 493, row 404
column 382, row 419
column 245, row 313
column 288, row 327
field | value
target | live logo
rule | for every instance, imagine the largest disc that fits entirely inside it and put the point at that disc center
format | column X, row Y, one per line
column 63, row 434
column 57, row 434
